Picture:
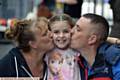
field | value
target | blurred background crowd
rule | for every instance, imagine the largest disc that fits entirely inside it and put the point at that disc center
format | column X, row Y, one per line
column 11, row 10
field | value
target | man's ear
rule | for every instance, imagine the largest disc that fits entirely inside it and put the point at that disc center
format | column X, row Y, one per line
column 92, row 39
column 32, row 44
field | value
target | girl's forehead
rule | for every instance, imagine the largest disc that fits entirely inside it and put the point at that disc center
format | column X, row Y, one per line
column 60, row 24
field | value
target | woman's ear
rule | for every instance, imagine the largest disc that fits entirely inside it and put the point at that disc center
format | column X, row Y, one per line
column 32, row 44
column 92, row 39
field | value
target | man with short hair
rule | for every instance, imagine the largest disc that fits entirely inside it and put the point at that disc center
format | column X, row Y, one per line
column 88, row 35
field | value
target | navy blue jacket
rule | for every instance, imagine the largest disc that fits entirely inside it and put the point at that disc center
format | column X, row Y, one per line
column 112, row 55
column 100, row 70
column 14, row 65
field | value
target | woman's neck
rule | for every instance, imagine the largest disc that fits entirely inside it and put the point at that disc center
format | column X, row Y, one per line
column 35, row 63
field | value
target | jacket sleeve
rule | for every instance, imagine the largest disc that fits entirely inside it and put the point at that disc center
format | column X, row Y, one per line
column 112, row 54
column 116, row 71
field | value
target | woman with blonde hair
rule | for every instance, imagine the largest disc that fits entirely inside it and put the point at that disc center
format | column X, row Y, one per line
column 33, row 41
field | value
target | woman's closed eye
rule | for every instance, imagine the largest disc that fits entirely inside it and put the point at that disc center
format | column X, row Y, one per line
column 45, row 33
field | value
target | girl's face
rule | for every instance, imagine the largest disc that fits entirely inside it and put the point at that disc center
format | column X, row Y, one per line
column 61, row 34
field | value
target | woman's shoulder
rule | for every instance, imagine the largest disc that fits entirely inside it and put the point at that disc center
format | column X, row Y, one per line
column 6, row 64
column 9, row 57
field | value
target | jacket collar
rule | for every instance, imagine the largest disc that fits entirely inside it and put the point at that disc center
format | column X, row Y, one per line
column 20, row 59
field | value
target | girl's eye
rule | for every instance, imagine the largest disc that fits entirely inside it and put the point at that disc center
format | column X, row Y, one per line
column 45, row 33
column 66, row 31
column 56, row 32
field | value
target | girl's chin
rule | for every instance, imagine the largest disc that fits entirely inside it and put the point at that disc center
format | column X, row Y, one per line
column 61, row 47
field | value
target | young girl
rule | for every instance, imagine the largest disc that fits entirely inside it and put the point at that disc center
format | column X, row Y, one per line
column 60, row 26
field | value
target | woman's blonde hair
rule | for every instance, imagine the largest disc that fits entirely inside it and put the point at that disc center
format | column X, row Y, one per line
column 23, row 31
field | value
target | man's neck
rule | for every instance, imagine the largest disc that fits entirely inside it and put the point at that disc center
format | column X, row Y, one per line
column 89, row 55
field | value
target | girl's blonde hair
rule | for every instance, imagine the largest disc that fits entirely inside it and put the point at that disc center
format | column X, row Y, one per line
column 61, row 17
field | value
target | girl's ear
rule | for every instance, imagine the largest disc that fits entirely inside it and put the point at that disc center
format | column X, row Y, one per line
column 92, row 39
column 32, row 44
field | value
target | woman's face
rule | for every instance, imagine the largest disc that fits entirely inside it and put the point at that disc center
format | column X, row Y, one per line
column 61, row 34
column 43, row 40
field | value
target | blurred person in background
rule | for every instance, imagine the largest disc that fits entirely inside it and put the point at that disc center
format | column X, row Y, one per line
column 42, row 9
column 50, row 4
column 32, row 42
column 72, row 7
column 115, row 6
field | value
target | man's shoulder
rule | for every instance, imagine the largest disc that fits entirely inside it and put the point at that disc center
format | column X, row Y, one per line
column 111, row 52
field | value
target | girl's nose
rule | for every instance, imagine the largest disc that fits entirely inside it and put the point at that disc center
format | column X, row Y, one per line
column 61, row 34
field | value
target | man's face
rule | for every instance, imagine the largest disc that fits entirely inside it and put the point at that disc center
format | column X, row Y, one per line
column 81, row 33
